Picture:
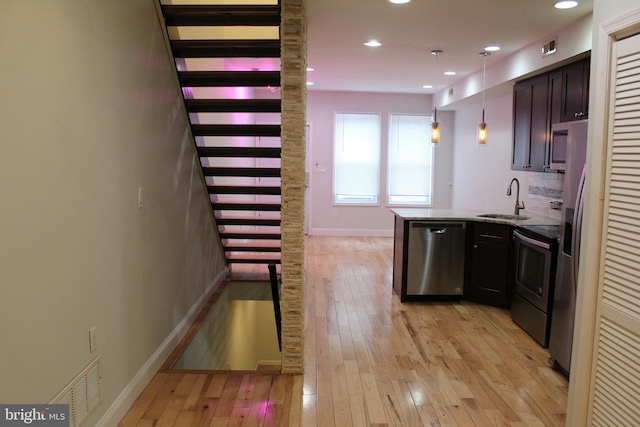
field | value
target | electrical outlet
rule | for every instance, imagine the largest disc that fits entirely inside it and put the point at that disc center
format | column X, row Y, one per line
column 335, row 213
column 140, row 197
column 92, row 340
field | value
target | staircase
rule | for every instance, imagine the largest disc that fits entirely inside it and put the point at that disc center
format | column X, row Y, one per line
column 220, row 71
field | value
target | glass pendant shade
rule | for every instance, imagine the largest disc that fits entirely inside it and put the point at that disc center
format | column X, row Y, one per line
column 482, row 133
column 482, row 127
column 435, row 128
column 435, row 133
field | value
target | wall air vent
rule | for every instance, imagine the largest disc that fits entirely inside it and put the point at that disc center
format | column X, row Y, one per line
column 549, row 48
column 82, row 394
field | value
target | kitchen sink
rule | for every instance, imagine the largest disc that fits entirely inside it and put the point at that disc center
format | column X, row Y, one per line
column 503, row 216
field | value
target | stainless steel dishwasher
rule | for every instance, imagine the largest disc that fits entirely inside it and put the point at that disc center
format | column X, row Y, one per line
column 435, row 259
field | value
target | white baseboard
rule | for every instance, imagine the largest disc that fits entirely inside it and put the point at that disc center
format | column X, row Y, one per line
column 128, row 396
column 350, row 232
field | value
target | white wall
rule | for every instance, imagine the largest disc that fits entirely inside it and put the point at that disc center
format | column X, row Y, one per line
column 327, row 219
column 91, row 112
column 573, row 40
column 481, row 175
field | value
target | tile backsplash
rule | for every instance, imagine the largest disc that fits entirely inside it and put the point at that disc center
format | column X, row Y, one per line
column 543, row 189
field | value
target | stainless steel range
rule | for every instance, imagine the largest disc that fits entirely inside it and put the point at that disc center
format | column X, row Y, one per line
column 535, row 270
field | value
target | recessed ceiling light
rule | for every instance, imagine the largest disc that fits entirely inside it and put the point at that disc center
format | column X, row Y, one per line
column 566, row 4
column 399, row 1
column 310, row 69
column 373, row 43
column 309, row 83
column 449, row 73
column 492, row 48
column 427, row 87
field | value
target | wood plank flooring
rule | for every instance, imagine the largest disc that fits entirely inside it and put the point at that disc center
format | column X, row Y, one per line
column 372, row 361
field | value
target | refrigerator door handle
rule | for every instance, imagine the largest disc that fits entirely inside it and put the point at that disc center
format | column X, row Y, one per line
column 577, row 230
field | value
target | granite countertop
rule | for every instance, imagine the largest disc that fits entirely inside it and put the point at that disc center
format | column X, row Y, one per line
column 472, row 215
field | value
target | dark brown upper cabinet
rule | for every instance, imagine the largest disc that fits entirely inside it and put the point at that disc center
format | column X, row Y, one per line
column 539, row 102
column 531, row 123
column 575, row 91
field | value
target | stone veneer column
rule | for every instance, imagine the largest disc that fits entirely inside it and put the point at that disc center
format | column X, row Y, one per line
column 293, row 35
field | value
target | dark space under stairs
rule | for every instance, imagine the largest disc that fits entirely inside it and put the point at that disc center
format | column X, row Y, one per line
column 245, row 199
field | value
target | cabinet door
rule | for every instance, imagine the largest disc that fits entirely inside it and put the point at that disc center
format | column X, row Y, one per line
column 539, row 123
column 575, row 91
column 521, row 125
column 489, row 273
column 530, row 124
column 490, row 262
column 555, row 112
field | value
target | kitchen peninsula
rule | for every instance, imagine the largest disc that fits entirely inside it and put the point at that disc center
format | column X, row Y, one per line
column 453, row 254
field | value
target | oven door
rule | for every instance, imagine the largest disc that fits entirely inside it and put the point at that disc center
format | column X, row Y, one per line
column 533, row 280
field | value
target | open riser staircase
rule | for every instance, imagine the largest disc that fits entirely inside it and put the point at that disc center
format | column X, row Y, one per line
column 237, row 132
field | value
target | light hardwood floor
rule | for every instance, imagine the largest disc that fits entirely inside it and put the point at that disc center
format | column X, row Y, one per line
column 372, row 361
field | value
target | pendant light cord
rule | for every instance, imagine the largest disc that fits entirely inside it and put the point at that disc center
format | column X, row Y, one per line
column 484, row 78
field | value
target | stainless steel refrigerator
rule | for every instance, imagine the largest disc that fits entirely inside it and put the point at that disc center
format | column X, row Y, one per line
column 570, row 140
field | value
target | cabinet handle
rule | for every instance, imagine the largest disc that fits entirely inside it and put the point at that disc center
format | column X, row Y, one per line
column 490, row 236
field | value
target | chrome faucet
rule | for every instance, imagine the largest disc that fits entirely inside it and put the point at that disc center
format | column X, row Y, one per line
column 519, row 205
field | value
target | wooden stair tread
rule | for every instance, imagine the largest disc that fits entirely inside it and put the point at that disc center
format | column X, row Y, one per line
column 244, row 189
column 233, row 105
column 258, row 152
column 246, row 206
column 244, row 172
column 249, row 235
column 218, row 15
column 254, row 258
column 225, row 48
column 251, row 248
column 229, row 78
column 248, row 220
column 235, row 130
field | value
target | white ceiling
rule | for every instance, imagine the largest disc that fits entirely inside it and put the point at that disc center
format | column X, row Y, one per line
column 337, row 30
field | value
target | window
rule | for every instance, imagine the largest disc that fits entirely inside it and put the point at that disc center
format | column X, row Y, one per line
column 410, row 160
column 356, row 158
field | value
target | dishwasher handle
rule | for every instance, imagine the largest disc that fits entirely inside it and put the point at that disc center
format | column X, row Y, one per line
column 439, row 227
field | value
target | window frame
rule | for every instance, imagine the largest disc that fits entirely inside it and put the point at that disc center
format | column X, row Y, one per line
column 381, row 146
column 388, row 202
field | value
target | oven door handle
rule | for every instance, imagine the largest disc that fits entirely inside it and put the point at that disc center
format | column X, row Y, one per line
column 531, row 241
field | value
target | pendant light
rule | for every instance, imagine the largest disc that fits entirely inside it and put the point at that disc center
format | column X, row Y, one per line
column 435, row 126
column 482, row 127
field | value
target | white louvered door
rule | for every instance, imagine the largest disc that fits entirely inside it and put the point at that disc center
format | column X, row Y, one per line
column 616, row 397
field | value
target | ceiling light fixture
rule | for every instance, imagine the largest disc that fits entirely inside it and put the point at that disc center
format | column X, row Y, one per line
column 482, row 127
column 435, row 126
column 449, row 73
column 373, row 43
column 566, row 4
column 399, row 1
column 492, row 48
column 310, row 69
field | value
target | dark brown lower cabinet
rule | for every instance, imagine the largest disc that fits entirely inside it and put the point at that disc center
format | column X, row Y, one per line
column 490, row 265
